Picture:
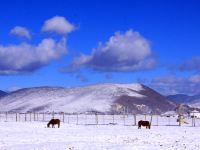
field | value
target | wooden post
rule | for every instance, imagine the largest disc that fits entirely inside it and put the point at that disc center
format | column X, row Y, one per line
column 68, row 119
column 6, row 116
column 77, row 119
column 169, row 120
column 135, row 122
column 151, row 119
column 124, row 118
column 25, row 117
column 37, row 116
column 157, row 119
column 34, row 116
column 96, row 118
column 16, row 117
column 53, row 115
column 43, row 117
column 103, row 119
column 63, row 117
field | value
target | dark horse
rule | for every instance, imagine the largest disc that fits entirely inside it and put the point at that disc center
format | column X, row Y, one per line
column 144, row 123
column 53, row 122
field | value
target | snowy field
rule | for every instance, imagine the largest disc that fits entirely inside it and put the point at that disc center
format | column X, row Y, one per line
column 35, row 136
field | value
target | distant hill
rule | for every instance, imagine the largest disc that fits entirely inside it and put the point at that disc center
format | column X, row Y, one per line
column 181, row 98
column 103, row 98
column 192, row 101
column 2, row 93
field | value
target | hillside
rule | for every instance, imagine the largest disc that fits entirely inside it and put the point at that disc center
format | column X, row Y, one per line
column 104, row 98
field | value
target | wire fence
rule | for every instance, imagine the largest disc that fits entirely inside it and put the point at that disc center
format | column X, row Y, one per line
column 98, row 119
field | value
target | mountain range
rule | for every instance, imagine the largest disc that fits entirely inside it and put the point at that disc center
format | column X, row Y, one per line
column 102, row 98
column 2, row 93
column 193, row 101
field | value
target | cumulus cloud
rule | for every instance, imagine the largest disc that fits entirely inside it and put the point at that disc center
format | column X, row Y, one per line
column 58, row 25
column 127, row 51
column 25, row 58
column 21, row 32
column 191, row 65
column 172, row 84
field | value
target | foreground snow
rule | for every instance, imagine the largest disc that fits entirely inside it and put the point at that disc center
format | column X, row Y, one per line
column 35, row 136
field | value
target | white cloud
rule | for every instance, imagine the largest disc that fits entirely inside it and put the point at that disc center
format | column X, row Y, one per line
column 20, row 32
column 127, row 51
column 27, row 58
column 58, row 25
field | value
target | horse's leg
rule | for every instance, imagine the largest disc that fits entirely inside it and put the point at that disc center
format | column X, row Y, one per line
column 58, row 125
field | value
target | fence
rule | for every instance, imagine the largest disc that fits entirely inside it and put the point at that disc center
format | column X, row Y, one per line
column 94, row 119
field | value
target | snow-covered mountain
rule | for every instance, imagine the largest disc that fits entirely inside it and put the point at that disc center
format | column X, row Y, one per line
column 106, row 98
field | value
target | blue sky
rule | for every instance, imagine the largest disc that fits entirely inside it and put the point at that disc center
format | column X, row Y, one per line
column 57, row 43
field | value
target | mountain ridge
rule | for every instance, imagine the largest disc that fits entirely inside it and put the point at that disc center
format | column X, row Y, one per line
column 104, row 98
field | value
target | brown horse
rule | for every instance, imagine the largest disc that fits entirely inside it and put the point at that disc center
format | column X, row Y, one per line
column 147, row 124
column 53, row 122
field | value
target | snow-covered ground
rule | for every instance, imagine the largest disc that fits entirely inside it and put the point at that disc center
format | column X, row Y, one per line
column 35, row 136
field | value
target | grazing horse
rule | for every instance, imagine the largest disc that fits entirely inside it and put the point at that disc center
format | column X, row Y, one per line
column 53, row 122
column 144, row 123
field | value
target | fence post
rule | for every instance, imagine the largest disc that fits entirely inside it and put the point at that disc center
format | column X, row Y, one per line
column 43, row 116
column 37, row 116
column 16, row 117
column 193, row 120
column 53, row 115
column 77, row 119
column 30, row 116
column 34, row 116
column 151, row 119
column 157, row 119
column 169, row 120
column 124, row 118
column 135, row 122
column 103, row 118
column 25, row 117
column 6, row 116
column 96, row 118
column 86, row 119
column 63, row 117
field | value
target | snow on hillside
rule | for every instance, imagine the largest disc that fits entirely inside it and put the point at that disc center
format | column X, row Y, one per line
column 195, row 104
column 89, row 98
